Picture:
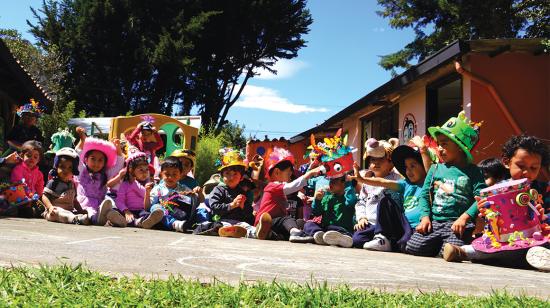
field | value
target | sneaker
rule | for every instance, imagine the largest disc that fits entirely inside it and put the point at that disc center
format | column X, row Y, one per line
column 454, row 253
column 104, row 208
column 539, row 258
column 81, row 219
column 300, row 237
column 335, row 238
column 208, row 228
column 264, row 226
column 318, row 238
column 232, row 231
column 154, row 218
column 116, row 219
column 179, row 225
column 378, row 243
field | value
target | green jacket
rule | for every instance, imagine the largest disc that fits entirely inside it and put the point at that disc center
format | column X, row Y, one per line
column 337, row 210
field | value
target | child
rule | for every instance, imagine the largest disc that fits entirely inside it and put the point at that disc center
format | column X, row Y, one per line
column 31, row 153
column 134, row 190
column 273, row 206
column 378, row 158
column 447, row 199
column 230, row 201
column 146, row 138
column 59, row 196
column 99, row 162
column 393, row 227
column 176, row 201
column 493, row 171
column 523, row 156
column 187, row 159
column 27, row 130
column 337, row 208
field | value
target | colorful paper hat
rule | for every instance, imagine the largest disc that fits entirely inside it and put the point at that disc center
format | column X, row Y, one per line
column 401, row 153
column 512, row 221
column 334, row 153
column 134, row 153
column 17, row 193
column 230, row 157
column 184, row 153
column 33, row 107
column 62, row 139
column 277, row 155
column 102, row 146
column 380, row 148
column 461, row 131
column 69, row 153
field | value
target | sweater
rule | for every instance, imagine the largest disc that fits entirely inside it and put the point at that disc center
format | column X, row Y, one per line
column 33, row 177
column 220, row 203
column 337, row 210
column 130, row 196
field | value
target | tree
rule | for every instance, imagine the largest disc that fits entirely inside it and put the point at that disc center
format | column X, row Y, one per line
column 438, row 23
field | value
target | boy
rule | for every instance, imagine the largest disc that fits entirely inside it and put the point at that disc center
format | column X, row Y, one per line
column 27, row 130
column 279, row 165
column 337, row 208
column 187, row 159
column 523, row 156
column 493, row 171
column 447, row 198
column 176, row 201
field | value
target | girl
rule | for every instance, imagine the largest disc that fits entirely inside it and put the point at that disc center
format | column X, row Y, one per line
column 60, row 193
column 146, row 138
column 134, row 190
column 99, row 162
column 27, row 169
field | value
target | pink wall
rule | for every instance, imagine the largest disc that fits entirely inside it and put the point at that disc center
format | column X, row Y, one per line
column 413, row 105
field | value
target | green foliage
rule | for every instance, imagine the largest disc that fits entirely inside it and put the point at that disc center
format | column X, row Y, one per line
column 82, row 114
column 438, row 23
column 78, row 286
column 232, row 135
column 58, row 119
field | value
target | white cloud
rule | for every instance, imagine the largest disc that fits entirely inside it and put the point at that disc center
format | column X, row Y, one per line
column 268, row 99
column 285, row 69
column 378, row 29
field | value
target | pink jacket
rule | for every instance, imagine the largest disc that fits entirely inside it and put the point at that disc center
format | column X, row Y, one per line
column 33, row 177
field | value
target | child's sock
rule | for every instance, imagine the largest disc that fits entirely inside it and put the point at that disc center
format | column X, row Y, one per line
column 65, row 217
column 178, row 225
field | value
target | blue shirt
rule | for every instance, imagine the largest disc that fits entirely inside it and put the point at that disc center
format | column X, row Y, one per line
column 411, row 194
column 189, row 182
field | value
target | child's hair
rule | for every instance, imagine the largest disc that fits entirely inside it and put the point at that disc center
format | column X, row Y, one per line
column 493, row 168
column 531, row 144
column 133, row 164
column 171, row 162
column 285, row 164
column 32, row 145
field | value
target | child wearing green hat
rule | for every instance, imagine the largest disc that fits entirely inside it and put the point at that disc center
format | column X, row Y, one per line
column 447, row 201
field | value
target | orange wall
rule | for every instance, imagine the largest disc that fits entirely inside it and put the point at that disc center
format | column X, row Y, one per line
column 523, row 83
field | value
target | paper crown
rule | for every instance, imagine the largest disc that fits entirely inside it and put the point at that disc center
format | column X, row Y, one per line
column 230, row 157
column 134, row 153
column 105, row 147
column 17, row 193
column 512, row 221
column 33, row 107
column 277, row 155
column 334, row 154
column 185, row 154
column 62, row 139
column 461, row 131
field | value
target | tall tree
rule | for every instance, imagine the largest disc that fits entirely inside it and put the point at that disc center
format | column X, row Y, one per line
column 438, row 23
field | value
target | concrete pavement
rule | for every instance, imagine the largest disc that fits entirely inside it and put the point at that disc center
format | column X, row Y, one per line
column 153, row 253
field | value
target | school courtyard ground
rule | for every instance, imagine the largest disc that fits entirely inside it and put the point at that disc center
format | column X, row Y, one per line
column 150, row 253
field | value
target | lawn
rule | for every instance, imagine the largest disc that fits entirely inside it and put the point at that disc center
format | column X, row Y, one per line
column 78, row 286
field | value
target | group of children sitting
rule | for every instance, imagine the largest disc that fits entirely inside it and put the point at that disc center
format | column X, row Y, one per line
column 409, row 199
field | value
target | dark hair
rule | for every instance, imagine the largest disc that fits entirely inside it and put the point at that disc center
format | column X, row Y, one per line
column 32, row 145
column 493, row 168
column 338, row 179
column 285, row 164
column 133, row 164
column 171, row 162
column 103, row 170
column 240, row 169
column 531, row 144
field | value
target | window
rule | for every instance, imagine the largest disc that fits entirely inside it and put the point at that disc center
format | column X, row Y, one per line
column 383, row 124
column 443, row 99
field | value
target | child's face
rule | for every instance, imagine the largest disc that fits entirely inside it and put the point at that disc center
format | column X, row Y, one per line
column 29, row 119
column 380, row 166
column 31, row 158
column 448, row 150
column 523, row 165
column 95, row 161
column 336, row 186
column 65, row 170
column 171, row 176
column 231, row 177
column 489, row 180
column 414, row 170
column 187, row 165
column 282, row 175
column 140, row 172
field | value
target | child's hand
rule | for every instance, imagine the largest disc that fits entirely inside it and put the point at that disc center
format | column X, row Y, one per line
column 425, row 225
column 13, row 158
column 197, row 190
column 361, row 224
column 238, row 202
column 116, row 142
column 258, row 160
column 482, row 203
column 319, row 194
column 129, row 216
column 540, row 210
column 149, row 187
column 122, row 172
column 314, row 171
column 459, row 225
column 81, row 131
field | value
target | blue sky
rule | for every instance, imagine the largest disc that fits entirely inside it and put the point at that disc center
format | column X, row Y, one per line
column 338, row 66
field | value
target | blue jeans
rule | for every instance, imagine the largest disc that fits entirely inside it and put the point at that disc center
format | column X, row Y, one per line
column 167, row 220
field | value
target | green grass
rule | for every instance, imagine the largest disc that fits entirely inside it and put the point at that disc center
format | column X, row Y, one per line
column 77, row 286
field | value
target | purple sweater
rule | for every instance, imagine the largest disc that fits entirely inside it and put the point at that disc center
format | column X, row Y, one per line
column 130, row 196
column 90, row 191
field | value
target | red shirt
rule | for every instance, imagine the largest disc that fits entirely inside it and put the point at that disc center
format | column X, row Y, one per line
column 273, row 201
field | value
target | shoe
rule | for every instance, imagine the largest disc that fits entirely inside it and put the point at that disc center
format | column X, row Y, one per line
column 81, row 219
column 318, row 238
column 300, row 237
column 454, row 253
column 154, row 218
column 104, row 208
column 335, row 238
column 208, row 228
column 179, row 225
column 232, row 231
column 264, row 226
column 378, row 243
column 116, row 219
column 539, row 258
